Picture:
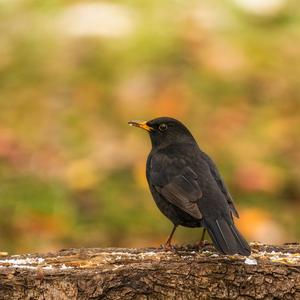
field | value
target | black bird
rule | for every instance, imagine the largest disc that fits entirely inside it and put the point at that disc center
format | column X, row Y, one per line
column 187, row 187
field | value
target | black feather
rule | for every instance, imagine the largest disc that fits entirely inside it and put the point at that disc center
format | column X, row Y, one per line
column 227, row 238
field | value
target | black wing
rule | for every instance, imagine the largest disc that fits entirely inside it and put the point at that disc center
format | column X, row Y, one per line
column 177, row 182
column 215, row 173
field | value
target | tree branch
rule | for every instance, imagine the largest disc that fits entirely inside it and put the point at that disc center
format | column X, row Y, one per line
column 187, row 273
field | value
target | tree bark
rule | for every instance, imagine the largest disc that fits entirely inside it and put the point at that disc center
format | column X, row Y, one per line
column 272, row 272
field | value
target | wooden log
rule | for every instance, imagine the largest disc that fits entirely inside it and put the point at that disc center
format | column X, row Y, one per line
column 272, row 272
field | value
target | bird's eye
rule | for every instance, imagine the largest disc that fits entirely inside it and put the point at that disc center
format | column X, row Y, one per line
column 163, row 127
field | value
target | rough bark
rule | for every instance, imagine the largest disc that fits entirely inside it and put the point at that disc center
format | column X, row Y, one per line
column 187, row 273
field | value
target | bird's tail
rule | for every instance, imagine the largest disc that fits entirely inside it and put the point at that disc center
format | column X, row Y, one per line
column 226, row 237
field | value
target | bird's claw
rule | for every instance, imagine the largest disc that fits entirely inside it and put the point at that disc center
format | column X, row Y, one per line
column 167, row 247
column 202, row 244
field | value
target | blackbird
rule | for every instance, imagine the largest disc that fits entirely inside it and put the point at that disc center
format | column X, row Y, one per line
column 187, row 187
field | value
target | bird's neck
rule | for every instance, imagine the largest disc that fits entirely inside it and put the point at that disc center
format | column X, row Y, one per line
column 170, row 140
column 174, row 145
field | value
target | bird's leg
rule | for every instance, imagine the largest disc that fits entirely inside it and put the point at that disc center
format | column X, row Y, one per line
column 168, row 245
column 202, row 241
column 203, row 235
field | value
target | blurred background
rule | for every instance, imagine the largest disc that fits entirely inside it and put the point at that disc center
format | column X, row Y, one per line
column 72, row 73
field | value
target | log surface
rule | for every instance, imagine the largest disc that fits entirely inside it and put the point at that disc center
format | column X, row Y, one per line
column 272, row 272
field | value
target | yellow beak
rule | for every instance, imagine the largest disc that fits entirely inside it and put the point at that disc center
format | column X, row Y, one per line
column 141, row 124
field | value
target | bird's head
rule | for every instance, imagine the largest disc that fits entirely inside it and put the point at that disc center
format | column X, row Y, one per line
column 164, row 131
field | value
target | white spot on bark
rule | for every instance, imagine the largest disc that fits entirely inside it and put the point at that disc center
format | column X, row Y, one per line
column 250, row 261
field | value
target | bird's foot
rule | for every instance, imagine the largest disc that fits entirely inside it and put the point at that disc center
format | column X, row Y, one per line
column 168, row 247
column 202, row 244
